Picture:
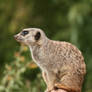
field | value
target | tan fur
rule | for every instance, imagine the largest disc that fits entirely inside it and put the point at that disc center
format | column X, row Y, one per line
column 62, row 64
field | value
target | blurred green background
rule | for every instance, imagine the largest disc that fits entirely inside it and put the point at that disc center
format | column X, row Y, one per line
column 65, row 20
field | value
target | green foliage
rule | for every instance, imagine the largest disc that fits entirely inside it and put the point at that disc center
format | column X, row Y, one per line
column 15, row 77
column 66, row 20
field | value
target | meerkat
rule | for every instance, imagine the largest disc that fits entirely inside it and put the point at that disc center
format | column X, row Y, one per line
column 62, row 63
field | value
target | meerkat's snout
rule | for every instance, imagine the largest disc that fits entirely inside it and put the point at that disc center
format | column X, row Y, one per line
column 17, row 37
column 20, row 37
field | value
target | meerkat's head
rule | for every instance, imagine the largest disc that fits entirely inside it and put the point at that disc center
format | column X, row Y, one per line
column 31, row 36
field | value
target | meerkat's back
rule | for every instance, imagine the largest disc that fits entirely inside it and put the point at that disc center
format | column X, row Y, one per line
column 68, row 63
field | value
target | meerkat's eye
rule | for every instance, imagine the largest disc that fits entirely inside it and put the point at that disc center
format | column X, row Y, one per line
column 25, row 32
column 37, row 36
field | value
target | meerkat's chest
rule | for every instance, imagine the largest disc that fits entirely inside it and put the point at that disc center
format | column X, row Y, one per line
column 39, row 57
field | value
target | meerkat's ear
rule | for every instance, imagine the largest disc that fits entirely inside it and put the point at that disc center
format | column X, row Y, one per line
column 37, row 36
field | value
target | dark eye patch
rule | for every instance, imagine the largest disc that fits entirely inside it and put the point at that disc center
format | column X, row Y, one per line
column 37, row 36
column 25, row 32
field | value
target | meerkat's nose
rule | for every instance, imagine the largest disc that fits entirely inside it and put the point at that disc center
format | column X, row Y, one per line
column 16, row 37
